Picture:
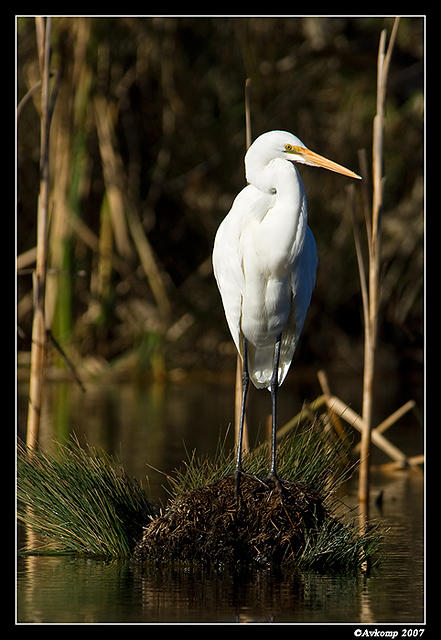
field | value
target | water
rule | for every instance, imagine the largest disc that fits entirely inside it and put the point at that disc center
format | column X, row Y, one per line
column 157, row 426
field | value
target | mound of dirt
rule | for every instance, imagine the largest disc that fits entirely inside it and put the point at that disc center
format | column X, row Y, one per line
column 266, row 525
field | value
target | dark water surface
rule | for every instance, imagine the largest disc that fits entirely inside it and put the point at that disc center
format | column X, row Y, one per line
column 155, row 426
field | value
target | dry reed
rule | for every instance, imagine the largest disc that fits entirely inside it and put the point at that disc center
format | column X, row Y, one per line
column 38, row 349
column 238, row 386
column 370, row 284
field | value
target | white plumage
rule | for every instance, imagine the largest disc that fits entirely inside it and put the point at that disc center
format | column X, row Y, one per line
column 265, row 259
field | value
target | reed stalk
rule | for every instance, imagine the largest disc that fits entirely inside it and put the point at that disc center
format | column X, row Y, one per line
column 125, row 220
column 112, row 171
column 370, row 289
column 335, row 420
column 59, row 290
column 352, row 418
column 238, row 385
column 390, row 420
column 38, row 349
column 105, row 248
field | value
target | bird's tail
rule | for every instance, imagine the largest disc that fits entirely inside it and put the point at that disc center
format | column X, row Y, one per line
column 261, row 363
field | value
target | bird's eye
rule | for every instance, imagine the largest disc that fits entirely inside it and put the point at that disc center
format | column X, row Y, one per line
column 288, row 147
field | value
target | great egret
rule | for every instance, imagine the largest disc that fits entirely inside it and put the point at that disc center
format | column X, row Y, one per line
column 265, row 262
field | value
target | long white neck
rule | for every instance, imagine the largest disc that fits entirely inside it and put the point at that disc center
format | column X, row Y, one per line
column 284, row 223
column 258, row 170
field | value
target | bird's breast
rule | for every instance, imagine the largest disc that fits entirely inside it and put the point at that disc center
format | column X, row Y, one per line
column 266, row 307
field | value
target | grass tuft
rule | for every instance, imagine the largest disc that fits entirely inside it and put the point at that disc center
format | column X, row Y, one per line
column 308, row 455
column 302, row 530
column 80, row 500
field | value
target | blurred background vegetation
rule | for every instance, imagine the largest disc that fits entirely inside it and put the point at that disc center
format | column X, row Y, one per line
column 147, row 145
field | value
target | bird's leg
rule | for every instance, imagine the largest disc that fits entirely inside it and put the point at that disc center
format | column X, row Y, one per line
column 245, row 385
column 273, row 388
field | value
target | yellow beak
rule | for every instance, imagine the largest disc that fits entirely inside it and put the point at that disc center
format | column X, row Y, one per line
column 315, row 160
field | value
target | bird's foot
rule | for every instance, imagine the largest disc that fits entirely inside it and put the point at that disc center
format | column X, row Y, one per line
column 272, row 479
column 238, row 473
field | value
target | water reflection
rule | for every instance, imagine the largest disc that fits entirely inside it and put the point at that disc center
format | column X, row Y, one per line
column 254, row 596
column 71, row 589
column 79, row 590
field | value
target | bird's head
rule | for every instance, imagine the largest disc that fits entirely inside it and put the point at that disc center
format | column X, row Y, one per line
column 282, row 144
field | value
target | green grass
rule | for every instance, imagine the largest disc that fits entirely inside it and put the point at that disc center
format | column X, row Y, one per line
column 80, row 500
column 309, row 455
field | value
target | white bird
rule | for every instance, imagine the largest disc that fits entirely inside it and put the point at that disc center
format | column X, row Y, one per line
column 265, row 261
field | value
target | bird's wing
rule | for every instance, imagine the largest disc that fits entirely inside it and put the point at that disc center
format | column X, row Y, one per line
column 302, row 283
column 227, row 265
column 303, row 278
